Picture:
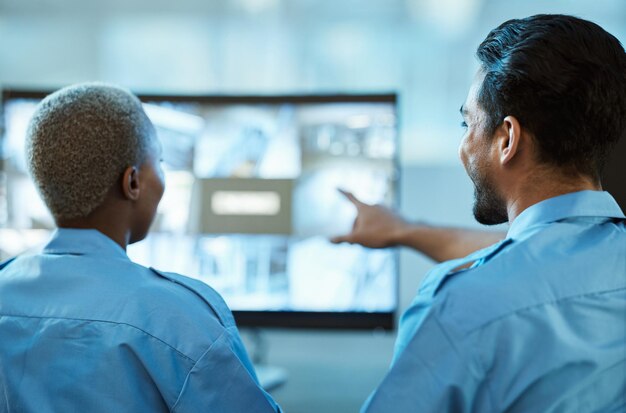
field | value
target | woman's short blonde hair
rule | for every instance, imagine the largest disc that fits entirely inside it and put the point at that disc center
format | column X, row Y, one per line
column 80, row 140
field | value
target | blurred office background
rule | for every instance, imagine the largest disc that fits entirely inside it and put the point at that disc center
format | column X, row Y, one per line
column 421, row 49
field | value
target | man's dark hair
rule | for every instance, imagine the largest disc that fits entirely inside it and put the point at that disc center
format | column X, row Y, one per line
column 564, row 79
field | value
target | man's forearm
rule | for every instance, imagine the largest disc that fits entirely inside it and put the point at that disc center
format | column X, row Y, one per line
column 445, row 243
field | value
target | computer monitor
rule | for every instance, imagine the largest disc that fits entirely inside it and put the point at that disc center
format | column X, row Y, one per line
column 250, row 202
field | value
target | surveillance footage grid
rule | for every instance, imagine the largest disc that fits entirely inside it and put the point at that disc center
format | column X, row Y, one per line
column 250, row 202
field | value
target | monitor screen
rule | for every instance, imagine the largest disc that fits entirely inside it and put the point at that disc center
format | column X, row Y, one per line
column 250, row 202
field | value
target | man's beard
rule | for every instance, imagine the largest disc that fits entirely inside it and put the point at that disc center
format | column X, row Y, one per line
column 489, row 207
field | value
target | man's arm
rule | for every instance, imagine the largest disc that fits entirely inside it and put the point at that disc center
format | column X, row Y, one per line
column 436, row 372
column 377, row 226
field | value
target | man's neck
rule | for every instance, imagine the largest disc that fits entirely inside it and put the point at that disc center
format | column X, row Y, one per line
column 537, row 190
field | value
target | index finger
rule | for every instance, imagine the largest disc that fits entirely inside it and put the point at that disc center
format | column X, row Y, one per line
column 351, row 197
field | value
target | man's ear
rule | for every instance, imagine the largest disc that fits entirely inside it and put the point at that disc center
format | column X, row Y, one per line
column 509, row 139
column 130, row 183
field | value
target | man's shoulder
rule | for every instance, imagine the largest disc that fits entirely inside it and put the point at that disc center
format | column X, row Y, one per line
column 553, row 264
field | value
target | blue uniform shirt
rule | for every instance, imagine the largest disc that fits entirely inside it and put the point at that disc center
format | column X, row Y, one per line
column 84, row 329
column 537, row 324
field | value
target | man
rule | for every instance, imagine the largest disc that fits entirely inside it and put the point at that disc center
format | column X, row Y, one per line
column 84, row 329
column 537, row 321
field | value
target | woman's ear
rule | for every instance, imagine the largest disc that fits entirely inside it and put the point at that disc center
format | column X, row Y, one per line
column 130, row 183
column 510, row 139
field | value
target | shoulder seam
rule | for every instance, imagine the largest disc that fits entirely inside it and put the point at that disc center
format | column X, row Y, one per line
column 106, row 322
column 208, row 350
column 450, row 341
column 6, row 263
column 552, row 302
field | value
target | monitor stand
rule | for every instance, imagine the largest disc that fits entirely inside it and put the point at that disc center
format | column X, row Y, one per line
column 270, row 377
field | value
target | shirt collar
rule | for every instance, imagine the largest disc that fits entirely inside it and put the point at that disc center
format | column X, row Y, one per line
column 83, row 242
column 574, row 204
